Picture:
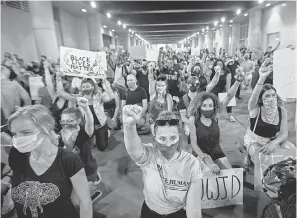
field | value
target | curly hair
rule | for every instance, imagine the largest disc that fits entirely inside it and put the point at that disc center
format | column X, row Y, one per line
column 265, row 88
column 194, row 108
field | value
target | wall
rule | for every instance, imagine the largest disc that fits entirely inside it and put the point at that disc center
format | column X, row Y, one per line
column 58, row 34
column 17, row 34
column 280, row 19
column 74, row 31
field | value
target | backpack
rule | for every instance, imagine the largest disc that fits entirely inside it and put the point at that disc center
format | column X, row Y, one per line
column 279, row 180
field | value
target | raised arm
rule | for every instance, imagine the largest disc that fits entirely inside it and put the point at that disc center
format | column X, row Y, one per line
column 232, row 91
column 137, row 151
column 214, row 80
column 117, row 107
column 169, row 102
column 264, row 71
column 24, row 95
column 48, row 80
column 60, row 89
column 89, row 119
column 160, row 59
column 108, row 95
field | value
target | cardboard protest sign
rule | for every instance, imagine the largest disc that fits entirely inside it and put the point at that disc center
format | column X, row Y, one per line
column 222, row 190
column 222, row 96
column 195, row 51
column 138, row 52
column 262, row 162
column 284, row 73
column 81, row 63
column 152, row 55
column 35, row 83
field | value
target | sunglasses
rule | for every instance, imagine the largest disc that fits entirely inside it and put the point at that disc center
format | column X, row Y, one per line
column 172, row 122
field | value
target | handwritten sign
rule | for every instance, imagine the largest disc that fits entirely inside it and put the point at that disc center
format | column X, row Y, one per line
column 222, row 190
column 195, row 51
column 138, row 51
column 35, row 83
column 222, row 96
column 284, row 73
column 152, row 55
column 262, row 162
column 81, row 63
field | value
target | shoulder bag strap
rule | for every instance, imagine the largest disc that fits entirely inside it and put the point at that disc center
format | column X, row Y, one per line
column 257, row 120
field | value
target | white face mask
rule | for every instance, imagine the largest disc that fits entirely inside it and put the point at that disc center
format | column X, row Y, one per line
column 25, row 144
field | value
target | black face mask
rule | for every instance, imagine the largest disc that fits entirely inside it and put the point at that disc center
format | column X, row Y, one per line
column 193, row 89
column 207, row 114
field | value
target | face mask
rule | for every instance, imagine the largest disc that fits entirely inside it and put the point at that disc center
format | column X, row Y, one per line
column 69, row 135
column 131, row 84
column 210, row 66
column 207, row 114
column 25, row 144
column 270, row 103
column 161, row 89
column 246, row 58
column 193, row 89
column 87, row 91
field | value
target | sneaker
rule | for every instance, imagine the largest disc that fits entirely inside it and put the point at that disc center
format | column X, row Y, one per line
column 232, row 119
column 95, row 195
column 98, row 179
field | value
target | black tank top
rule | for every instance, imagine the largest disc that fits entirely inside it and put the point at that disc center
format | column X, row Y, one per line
column 208, row 137
column 264, row 129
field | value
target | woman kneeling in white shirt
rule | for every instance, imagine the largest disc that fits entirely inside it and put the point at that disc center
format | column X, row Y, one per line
column 171, row 177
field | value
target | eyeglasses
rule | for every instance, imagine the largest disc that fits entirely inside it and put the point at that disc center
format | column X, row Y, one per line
column 172, row 122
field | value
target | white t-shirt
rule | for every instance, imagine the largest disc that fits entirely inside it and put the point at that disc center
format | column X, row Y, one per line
column 166, row 183
column 118, row 76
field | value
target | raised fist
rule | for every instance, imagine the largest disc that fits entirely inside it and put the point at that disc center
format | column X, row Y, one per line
column 82, row 102
column 217, row 69
column 131, row 114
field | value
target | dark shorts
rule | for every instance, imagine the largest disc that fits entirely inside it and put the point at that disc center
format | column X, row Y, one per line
column 146, row 212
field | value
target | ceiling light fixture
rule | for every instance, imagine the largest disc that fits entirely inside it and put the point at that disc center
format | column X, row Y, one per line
column 119, row 23
column 104, row 26
column 124, row 26
column 93, row 4
column 284, row 4
column 203, row 30
column 112, row 30
column 238, row 11
column 260, row 1
column 223, row 19
column 221, row 25
column 215, row 23
column 230, row 25
column 246, row 14
column 108, row 15
column 267, row 5
column 83, row 10
column 129, row 30
column 231, row 21
column 207, row 28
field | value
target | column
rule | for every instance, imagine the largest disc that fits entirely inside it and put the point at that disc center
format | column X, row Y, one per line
column 127, row 41
column 201, row 41
column 133, row 40
column 225, row 37
column 193, row 42
column 209, row 40
column 95, row 31
column 235, row 34
column 113, row 40
column 44, row 28
column 254, row 31
column 137, row 41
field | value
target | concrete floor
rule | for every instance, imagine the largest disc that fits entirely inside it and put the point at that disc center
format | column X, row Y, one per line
column 122, row 180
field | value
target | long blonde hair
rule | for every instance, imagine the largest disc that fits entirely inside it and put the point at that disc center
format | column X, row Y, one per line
column 42, row 118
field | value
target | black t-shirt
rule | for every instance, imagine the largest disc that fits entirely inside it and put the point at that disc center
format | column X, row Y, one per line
column 143, row 81
column 47, row 195
column 134, row 97
column 221, row 85
column 182, row 105
column 172, row 80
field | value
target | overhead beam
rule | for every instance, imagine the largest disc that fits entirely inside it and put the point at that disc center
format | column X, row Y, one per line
column 173, row 11
column 164, row 31
column 169, row 24
column 164, row 35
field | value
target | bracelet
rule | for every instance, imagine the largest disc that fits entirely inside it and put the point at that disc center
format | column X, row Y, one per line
column 260, row 84
column 204, row 158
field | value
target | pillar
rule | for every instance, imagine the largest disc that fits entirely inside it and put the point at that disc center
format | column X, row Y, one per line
column 225, row 38
column 127, row 41
column 133, row 40
column 193, row 42
column 254, row 31
column 113, row 40
column 201, row 41
column 209, row 40
column 44, row 28
column 95, row 31
column 137, row 41
column 235, row 34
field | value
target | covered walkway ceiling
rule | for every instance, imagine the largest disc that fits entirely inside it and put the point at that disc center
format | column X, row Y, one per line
column 170, row 21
